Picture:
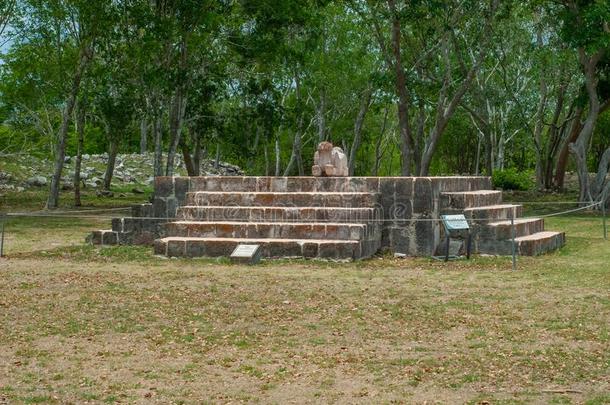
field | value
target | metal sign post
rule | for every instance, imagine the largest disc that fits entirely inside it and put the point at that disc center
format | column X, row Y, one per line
column 457, row 224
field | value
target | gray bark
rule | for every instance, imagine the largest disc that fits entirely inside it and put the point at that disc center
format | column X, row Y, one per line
column 296, row 156
column 60, row 149
column 80, row 133
column 446, row 108
column 322, row 118
column 277, row 157
column 217, row 159
column 580, row 146
column 176, row 119
column 364, row 107
column 406, row 138
column 158, row 133
column 143, row 136
column 378, row 151
column 112, row 152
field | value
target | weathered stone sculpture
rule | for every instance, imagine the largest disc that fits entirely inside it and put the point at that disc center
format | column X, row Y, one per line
column 329, row 161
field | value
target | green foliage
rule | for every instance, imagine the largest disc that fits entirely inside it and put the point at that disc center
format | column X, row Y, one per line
column 237, row 65
column 512, row 179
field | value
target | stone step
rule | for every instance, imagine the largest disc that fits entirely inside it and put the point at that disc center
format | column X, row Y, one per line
column 282, row 184
column 267, row 230
column 276, row 214
column 530, row 245
column 271, row 248
column 461, row 200
column 287, row 199
column 540, row 243
column 492, row 212
column 104, row 237
column 503, row 229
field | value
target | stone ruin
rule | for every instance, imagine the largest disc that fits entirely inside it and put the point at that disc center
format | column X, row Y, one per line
column 327, row 216
column 329, row 161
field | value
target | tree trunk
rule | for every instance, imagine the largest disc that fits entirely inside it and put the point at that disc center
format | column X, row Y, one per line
column 113, row 151
column 60, row 149
column 176, row 118
column 158, row 159
column 197, row 155
column 540, row 115
column 188, row 160
column 177, row 111
column 477, row 162
column 378, row 151
column 562, row 160
column 217, row 159
column 143, row 135
column 296, row 156
column 599, row 182
column 277, row 157
column 266, row 158
column 406, row 138
column 580, row 146
column 364, row 107
column 80, row 132
column 322, row 117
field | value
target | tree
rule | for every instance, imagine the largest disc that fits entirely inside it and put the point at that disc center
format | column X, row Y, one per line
column 586, row 29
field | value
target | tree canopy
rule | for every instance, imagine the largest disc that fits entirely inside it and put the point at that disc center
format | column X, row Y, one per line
column 421, row 87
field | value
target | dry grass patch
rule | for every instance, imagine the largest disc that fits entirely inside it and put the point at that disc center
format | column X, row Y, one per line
column 80, row 324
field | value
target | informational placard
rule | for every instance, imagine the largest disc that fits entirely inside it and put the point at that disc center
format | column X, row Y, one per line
column 455, row 222
column 249, row 254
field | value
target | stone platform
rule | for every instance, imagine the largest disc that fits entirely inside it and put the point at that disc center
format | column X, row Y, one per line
column 328, row 217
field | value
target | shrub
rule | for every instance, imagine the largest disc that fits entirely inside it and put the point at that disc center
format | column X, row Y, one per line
column 512, row 179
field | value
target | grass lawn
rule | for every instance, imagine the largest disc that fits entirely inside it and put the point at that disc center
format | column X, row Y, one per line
column 79, row 324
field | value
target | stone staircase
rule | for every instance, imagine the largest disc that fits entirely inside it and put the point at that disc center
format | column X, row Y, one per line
column 491, row 226
column 328, row 217
column 318, row 223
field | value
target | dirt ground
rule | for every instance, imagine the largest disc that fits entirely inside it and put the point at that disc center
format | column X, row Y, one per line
column 118, row 325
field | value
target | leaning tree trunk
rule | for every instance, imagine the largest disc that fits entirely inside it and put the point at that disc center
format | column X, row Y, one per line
column 80, row 132
column 277, row 157
column 60, row 149
column 321, row 112
column 266, row 152
column 597, row 187
column 176, row 118
column 562, row 159
column 296, row 156
column 114, row 150
column 143, row 136
column 188, row 160
column 580, row 146
column 378, row 150
column 197, row 155
column 158, row 158
column 217, row 158
column 406, row 138
column 364, row 107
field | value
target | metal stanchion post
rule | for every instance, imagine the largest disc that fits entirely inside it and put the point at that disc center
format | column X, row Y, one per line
column 604, row 219
column 1, row 235
column 514, row 246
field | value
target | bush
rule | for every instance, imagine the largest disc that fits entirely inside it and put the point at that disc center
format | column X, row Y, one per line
column 511, row 179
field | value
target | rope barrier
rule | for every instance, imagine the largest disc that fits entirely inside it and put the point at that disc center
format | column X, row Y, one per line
column 573, row 210
column 68, row 214
column 87, row 214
